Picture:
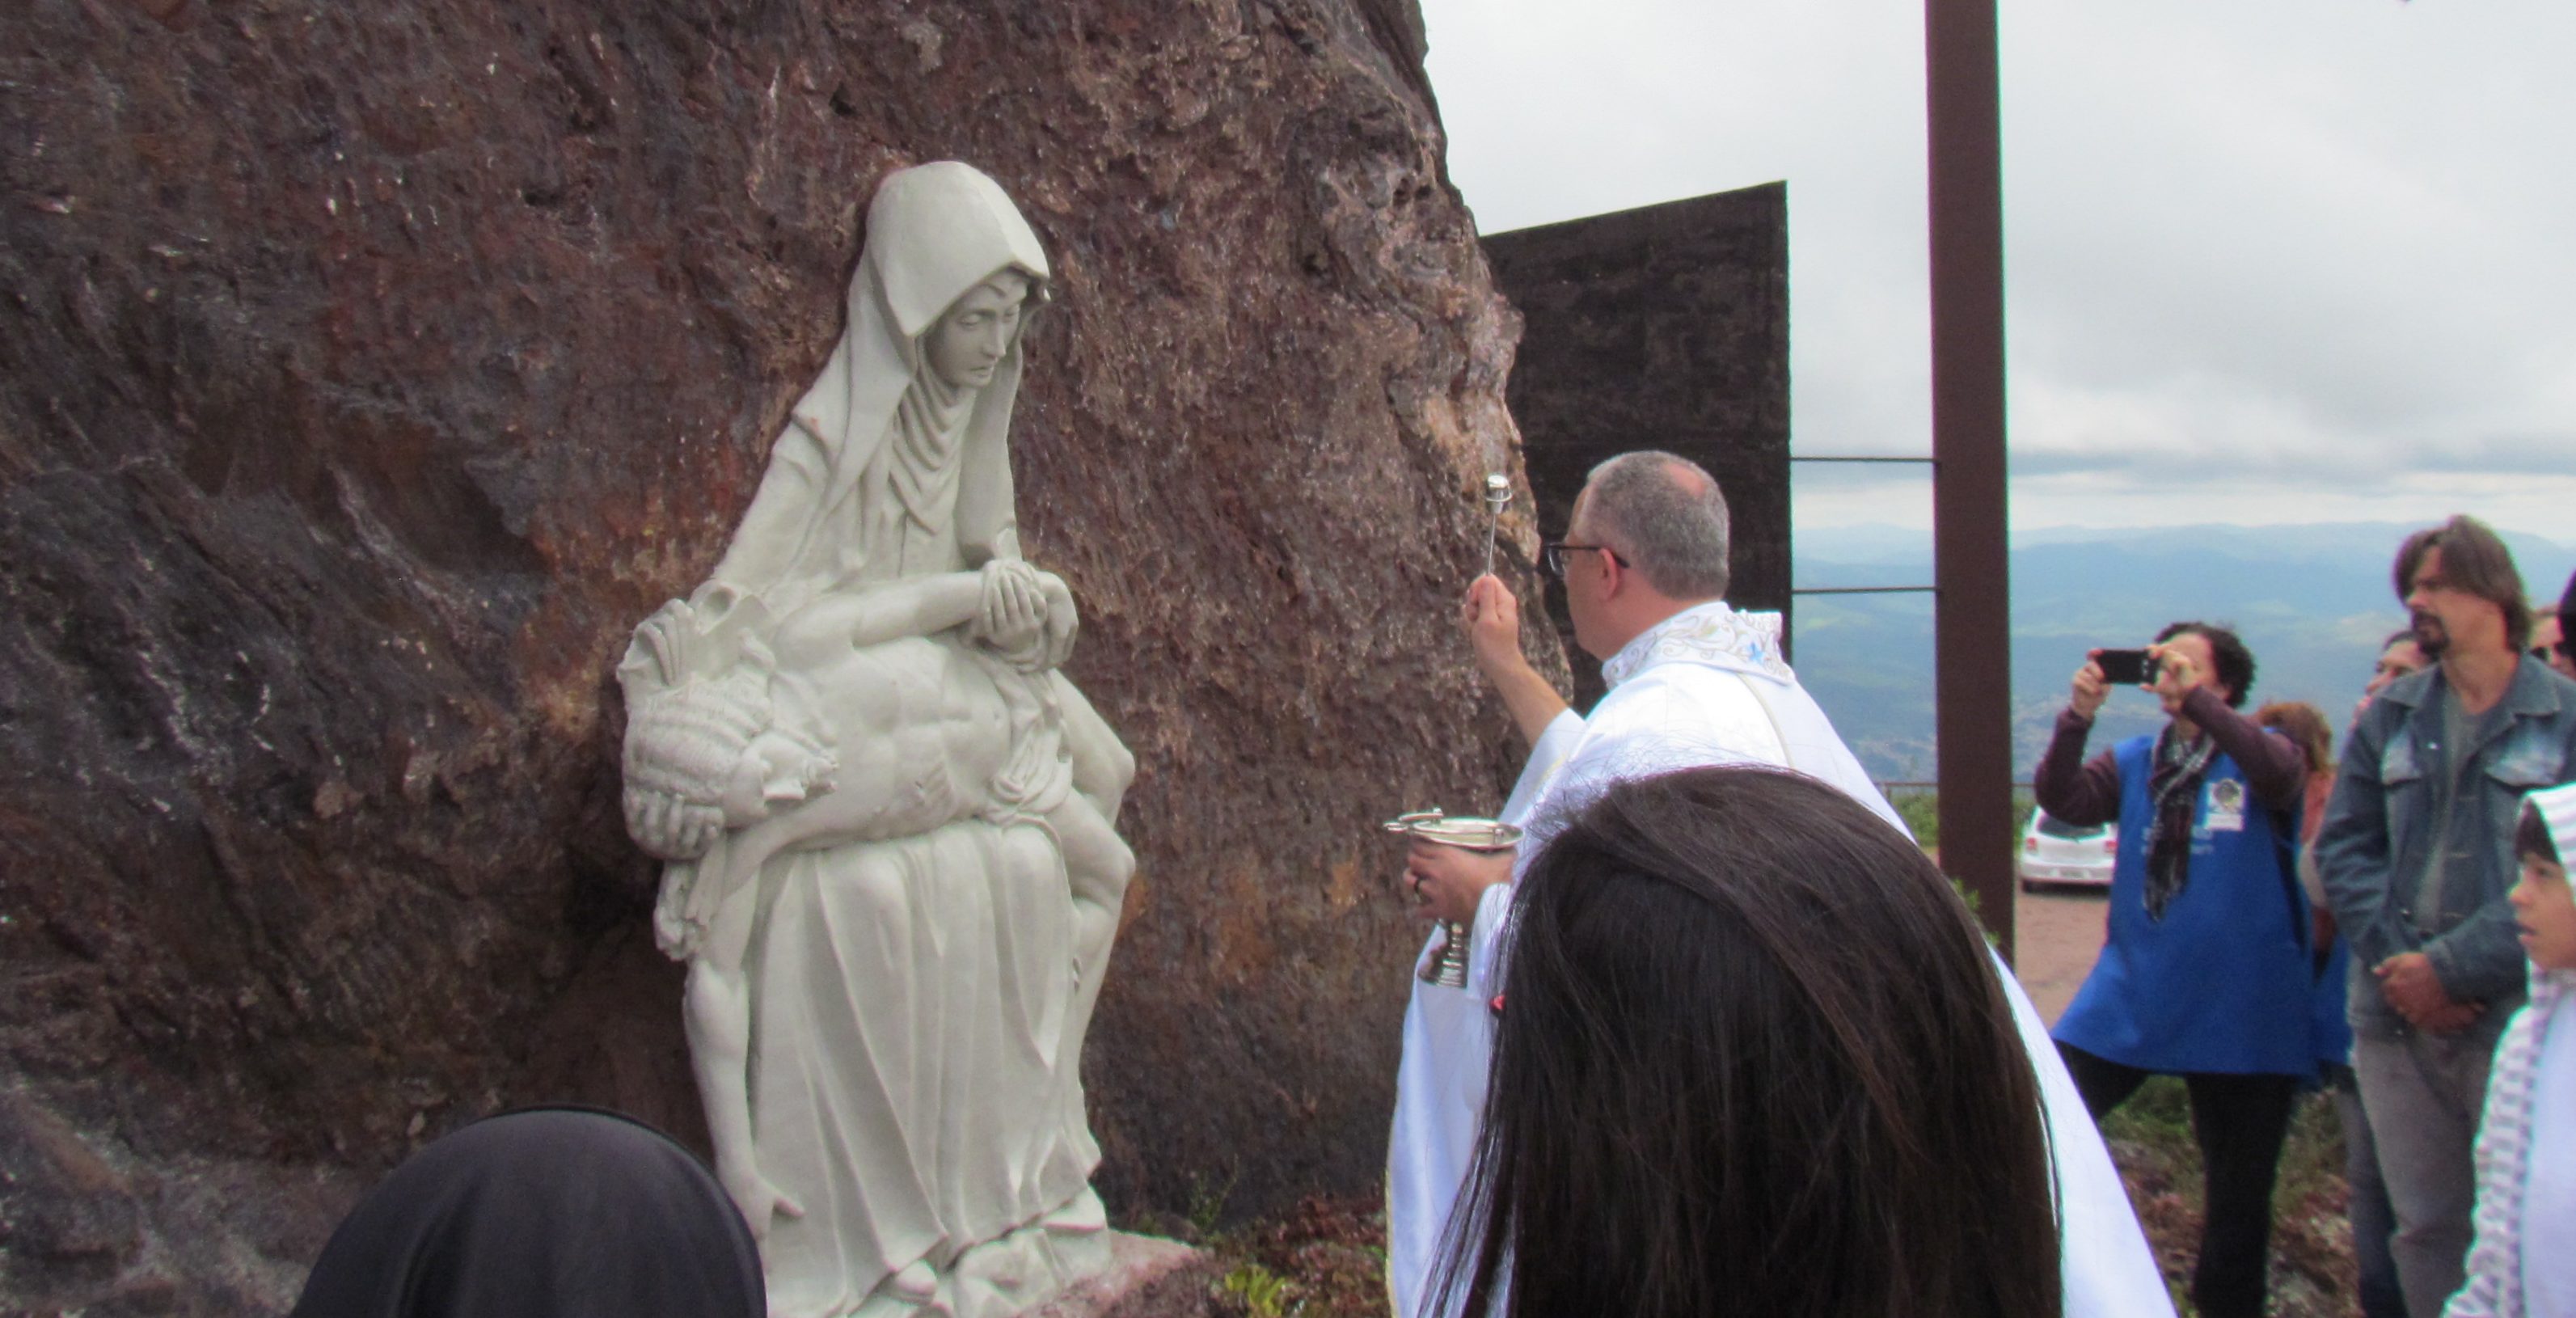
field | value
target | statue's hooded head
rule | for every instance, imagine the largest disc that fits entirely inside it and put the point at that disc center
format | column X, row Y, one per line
column 936, row 233
column 942, row 240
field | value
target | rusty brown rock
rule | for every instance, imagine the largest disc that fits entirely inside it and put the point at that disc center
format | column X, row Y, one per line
column 370, row 370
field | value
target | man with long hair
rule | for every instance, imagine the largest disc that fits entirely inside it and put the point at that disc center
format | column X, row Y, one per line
column 1692, row 682
column 2416, row 864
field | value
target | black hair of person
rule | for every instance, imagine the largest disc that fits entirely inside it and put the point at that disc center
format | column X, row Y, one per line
column 1752, row 1055
column 2531, row 836
column 542, row 1213
column 2567, row 615
column 2235, row 663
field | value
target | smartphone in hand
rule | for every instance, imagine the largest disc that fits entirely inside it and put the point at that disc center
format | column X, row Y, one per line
column 2126, row 667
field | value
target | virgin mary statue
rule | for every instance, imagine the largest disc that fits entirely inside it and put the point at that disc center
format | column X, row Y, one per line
column 887, row 815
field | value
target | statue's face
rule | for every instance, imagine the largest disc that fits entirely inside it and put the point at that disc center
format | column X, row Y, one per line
column 967, row 344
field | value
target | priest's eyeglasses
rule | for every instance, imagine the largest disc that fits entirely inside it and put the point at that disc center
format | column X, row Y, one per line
column 1551, row 555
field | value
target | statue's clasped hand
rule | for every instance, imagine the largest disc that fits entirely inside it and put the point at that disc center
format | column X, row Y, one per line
column 1025, row 615
column 1013, row 607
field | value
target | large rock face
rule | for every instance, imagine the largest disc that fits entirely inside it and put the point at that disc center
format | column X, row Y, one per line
column 371, row 370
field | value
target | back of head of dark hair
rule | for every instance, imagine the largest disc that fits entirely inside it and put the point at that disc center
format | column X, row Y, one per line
column 2235, row 663
column 542, row 1213
column 1752, row 1055
column 2474, row 560
column 1665, row 513
column 2305, row 725
column 2567, row 613
column 2531, row 836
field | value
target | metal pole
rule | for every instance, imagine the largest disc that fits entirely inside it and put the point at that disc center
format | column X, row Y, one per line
column 1972, row 615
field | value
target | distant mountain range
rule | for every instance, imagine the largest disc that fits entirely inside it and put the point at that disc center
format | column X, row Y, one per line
column 2312, row 602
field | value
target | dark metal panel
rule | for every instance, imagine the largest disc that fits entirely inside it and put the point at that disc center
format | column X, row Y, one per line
column 1662, row 327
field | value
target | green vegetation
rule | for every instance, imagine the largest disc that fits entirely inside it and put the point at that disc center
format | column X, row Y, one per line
column 1322, row 1259
column 1921, row 811
column 1207, row 1203
column 1261, row 1292
column 1920, row 808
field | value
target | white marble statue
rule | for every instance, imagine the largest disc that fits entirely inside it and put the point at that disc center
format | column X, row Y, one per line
column 887, row 814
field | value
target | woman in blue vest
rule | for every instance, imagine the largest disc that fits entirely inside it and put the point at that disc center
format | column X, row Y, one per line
column 2206, row 969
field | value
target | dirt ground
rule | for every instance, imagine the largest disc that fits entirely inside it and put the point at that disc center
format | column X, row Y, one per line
column 2056, row 934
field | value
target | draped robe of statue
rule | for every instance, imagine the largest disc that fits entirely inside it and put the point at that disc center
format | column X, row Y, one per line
column 920, row 963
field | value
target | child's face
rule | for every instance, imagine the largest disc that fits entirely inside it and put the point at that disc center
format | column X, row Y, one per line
column 2547, row 914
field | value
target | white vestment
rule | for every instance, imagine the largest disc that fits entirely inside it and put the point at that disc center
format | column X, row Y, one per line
column 1704, row 687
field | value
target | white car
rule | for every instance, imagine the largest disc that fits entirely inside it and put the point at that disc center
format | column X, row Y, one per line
column 2054, row 853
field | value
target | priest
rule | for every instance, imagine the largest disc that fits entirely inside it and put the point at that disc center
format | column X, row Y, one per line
column 1691, row 682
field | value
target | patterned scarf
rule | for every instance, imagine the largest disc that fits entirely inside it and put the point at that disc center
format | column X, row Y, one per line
column 2172, row 791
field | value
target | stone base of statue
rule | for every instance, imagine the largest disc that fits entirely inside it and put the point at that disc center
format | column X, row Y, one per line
column 1042, row 1272
column 1146, row 1277
column 1032, row 1269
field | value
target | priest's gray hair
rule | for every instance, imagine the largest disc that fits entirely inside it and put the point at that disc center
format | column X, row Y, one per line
column 1666, row 515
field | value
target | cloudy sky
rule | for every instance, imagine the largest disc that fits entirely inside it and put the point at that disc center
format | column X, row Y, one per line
column 2267, row 260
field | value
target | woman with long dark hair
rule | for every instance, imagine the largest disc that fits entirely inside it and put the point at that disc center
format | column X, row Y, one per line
column 1751, row 1055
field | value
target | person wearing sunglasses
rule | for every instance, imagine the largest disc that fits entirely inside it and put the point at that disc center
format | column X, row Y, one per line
column 1692, row 682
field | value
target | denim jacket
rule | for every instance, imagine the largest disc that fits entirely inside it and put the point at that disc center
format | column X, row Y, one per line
column 2379, row 829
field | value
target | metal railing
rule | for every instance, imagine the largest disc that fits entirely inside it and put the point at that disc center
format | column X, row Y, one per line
column 1858, row 590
